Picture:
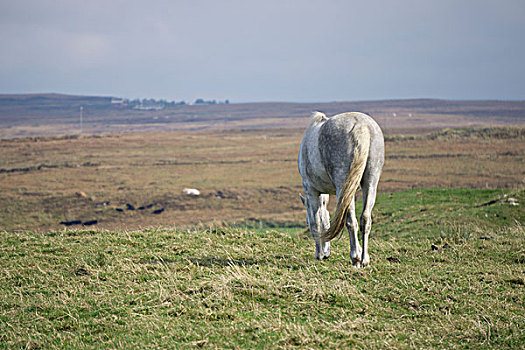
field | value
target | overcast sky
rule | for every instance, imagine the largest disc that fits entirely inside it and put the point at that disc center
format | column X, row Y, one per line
column 268, row 50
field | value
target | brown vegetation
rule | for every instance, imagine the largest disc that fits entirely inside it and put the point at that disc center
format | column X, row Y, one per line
column 244, row 175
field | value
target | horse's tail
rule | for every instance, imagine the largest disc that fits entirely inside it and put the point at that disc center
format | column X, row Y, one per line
column 360, row 136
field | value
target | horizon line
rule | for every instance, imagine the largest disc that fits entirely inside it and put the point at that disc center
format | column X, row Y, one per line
column 2, row 94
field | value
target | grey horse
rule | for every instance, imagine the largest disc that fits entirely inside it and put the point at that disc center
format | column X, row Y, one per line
column 337, row 155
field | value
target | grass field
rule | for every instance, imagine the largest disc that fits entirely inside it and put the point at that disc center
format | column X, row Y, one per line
column 233, row 267
column 248, row 175
column 447, row 272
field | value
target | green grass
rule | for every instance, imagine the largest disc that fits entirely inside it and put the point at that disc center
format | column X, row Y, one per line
column 223, row 287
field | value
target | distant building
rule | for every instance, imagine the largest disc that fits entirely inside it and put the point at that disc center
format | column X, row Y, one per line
column 141, row 107
column 118, row 103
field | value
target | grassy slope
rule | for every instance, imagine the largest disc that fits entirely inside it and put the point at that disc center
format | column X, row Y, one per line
column 235, row 287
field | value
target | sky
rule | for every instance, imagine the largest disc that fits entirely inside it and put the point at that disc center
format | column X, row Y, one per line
column 268, row 50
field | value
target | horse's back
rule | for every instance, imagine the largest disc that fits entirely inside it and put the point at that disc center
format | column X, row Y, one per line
column 336, row 142
column 347, row 121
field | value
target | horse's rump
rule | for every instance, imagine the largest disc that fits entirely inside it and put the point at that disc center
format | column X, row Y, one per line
column 360, row 139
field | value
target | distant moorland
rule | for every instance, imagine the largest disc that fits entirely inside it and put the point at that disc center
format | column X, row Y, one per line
column 56, row 114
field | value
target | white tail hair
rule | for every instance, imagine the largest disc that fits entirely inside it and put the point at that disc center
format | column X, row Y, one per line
column 360, row 137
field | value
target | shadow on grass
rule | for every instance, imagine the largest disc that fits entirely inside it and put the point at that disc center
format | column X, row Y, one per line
column 223, row 262
column 280, row 261
column 255, row 223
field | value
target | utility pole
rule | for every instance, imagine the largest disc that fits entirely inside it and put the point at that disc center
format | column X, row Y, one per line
column 81, row 110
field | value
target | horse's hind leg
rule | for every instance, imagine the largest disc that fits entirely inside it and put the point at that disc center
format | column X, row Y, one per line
column 325, row 224
column 351, row 224
column 319, row 222
column 322, row 246
column 369, row 199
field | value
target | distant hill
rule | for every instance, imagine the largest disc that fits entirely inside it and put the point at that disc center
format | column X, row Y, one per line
column 28, row 109
column 46, row 114
column 51, row 102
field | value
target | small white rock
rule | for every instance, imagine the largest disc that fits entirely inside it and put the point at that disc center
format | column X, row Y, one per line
column 191, row 191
